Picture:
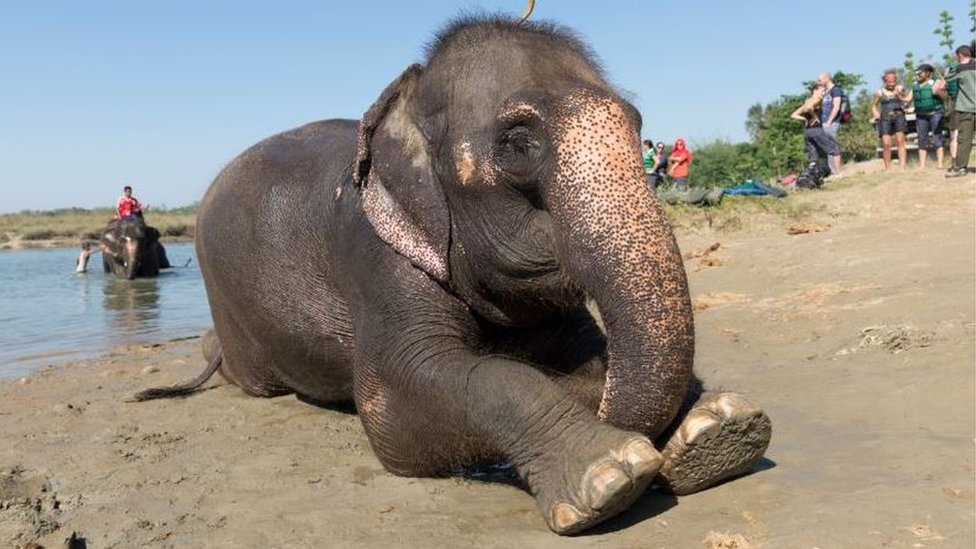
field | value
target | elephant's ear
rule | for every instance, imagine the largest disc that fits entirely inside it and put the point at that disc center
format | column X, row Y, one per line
column 402, row 198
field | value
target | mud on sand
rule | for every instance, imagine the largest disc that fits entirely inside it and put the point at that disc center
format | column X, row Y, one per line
column 857, row 338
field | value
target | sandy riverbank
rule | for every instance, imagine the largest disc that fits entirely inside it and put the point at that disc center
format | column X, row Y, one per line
column 856, row 334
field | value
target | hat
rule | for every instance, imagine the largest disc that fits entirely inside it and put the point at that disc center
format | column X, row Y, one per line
column 925, row 67
column 965, row 50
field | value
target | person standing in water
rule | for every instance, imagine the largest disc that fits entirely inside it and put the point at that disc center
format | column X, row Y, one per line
column 81, row 264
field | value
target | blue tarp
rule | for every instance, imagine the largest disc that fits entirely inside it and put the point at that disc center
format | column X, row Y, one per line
column 755, row 187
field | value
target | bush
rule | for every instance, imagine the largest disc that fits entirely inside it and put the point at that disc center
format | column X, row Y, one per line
column 858, row 139
column 177, row 230
column 42, row 234
column 723, row 164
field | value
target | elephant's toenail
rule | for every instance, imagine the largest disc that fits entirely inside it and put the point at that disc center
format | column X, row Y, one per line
column 565, row 518
column 603, row 483
column 641, row 457
column 735, row 405
column 699, row 423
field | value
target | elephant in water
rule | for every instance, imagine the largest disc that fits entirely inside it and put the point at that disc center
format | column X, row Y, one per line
column 431, row 263
column 131, row 249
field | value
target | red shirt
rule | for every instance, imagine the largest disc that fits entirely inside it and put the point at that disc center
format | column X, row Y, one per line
column 682, row 159
column 128, row 206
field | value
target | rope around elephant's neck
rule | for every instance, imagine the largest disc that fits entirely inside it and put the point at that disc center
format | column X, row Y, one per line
column 528, row 12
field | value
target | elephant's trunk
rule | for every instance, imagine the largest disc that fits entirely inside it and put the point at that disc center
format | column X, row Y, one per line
column 131, row 257
column 618, row 244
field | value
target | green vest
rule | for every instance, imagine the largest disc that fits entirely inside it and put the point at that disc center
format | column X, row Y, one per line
column 925, row 100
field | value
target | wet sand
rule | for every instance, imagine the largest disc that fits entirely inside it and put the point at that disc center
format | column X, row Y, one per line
column 853, row 327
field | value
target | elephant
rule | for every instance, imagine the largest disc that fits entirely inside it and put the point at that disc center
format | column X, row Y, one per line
column 131, row 249
column 431, row 264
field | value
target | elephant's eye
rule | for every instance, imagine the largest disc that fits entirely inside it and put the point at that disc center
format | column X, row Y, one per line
column 518, row 152
column 518, row 139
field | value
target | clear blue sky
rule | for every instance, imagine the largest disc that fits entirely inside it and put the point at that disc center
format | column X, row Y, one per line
column 161, row 94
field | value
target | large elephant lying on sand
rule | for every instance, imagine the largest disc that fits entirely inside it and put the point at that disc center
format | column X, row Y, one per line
column 431, row 264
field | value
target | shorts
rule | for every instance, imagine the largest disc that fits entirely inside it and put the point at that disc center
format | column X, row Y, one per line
column 680, row 183
column 893, row 123
column 929, row 122
column 831, row 130
column 819, row 143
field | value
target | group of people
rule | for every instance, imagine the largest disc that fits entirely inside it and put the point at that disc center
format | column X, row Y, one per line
column 127, row 207
column 659, row 165
column 821, row 115
column 946, row 103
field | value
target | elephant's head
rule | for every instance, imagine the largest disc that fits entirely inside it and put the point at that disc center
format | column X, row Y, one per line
column 509, row 170
column 125, row 241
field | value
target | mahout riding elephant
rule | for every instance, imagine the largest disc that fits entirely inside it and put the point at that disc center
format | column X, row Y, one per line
column 431, row 263
column 131, row 249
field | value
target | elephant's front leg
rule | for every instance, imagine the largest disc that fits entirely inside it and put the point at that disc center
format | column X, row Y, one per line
column 714, row 437
column 431, row 407
column 721, row 436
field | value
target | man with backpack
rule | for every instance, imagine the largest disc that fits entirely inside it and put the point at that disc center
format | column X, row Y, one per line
column 830, row 116
column 964, row 76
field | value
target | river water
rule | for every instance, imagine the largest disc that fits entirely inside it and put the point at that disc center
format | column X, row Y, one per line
column 50, row 315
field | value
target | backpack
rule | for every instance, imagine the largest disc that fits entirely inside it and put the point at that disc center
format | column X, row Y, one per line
column 845, row 108
column 813, row 176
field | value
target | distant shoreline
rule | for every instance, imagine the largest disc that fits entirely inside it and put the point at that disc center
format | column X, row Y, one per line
column 69, row 227
column 19, row 243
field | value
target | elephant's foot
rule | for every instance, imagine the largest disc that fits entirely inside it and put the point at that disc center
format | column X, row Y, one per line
column 723, row 436
column 602, row 487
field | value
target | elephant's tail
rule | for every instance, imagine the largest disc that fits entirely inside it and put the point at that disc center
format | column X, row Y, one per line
column 182, row 389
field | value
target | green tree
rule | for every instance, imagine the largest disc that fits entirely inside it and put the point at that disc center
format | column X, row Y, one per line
column 858, row 138
column 945, row 31
column 754, row 119
column 723, row 164
column 779, row 144
column 848, row 80
column 909, row 67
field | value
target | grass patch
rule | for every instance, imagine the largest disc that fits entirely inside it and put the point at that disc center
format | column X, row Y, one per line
column 177, row 230
column 42, row 234
column 739, row 213
column 88, row 224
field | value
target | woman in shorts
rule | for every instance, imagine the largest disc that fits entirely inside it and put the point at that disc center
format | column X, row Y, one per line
column 888, row 112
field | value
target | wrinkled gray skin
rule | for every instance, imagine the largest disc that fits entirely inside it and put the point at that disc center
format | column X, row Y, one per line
column 431, row 264
column 132, row 249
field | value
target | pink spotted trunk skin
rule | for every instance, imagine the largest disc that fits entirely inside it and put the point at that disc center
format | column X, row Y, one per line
column 619, row 245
